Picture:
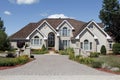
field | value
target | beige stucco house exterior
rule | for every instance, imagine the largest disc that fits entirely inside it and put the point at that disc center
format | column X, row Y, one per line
column 62, row 33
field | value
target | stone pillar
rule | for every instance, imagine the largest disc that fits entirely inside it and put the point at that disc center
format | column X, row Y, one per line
column 27, row 51
column 17, row 53
column 57, row 43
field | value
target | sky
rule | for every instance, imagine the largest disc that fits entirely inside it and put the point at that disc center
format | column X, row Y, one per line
column 18, row 13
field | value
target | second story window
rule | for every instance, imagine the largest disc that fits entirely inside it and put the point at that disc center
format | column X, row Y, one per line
column 65, row 31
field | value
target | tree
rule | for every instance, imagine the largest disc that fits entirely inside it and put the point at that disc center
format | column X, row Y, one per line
column 110, row 16
column 103, row 50
column 116, row 48
column 2, row 25
column 4, row 41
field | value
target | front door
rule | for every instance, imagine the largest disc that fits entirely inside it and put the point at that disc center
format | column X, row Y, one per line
column 51, row 40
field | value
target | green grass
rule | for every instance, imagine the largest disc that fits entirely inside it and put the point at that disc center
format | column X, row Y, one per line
column 112, row 60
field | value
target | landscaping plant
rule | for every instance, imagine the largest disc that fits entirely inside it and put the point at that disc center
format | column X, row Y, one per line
column 103, row 50
column 116, row 48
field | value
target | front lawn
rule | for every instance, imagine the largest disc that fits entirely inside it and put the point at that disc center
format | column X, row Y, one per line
column 109, row 60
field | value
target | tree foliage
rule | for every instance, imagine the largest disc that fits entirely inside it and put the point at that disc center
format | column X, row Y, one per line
column 2, row 25
column 4, row 41
column 116, row 48
column 110, row 16
column 103, row 50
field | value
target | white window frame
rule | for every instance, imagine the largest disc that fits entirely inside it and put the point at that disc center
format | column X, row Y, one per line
column 66, row 43
column 65, row 32
column 36, row 41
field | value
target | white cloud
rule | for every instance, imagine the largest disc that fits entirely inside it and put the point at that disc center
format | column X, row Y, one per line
column 7, row 12
column 24, row 1
column 58, row 16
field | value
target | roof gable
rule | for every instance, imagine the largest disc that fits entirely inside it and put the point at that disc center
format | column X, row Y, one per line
column 64, row 21
column 86, row 29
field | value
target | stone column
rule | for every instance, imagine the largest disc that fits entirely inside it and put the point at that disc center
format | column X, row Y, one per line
column 57, row 43
column 27, row 51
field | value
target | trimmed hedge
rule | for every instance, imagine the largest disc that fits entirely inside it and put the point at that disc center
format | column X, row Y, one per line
column 116, row 48
column 14, row 61
column 103, row 50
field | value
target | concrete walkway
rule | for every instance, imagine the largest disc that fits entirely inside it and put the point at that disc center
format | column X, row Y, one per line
column 52, row 65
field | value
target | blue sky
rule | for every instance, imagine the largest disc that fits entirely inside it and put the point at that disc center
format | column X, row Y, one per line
column 18, row 13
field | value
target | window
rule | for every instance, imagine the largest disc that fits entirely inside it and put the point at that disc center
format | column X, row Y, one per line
column 81, row 44
column 110, row 44
column 86, row 45
column 36, row 41
column 90, row 45
column 40, row 41
column 66, row 43
column 65, row 32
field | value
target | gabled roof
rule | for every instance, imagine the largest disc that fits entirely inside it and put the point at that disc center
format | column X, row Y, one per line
column 28, row 29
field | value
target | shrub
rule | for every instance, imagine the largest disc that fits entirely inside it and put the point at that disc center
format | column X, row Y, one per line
column 77, row 58
column 94, row 54
column 71, row 53
column 43, row 48
column 85, row 60
column 23, row 59
column 14, row 61
column 116, row 48
column 11, row 55
column 71, row 56
column 96, row 64
column 103, row 50
column 66, row 51
column 63, row 52
column 56, row 51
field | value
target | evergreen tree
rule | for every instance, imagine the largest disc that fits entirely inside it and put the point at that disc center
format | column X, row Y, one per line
column 4, row 40
column 2, row 25
column 110, row 16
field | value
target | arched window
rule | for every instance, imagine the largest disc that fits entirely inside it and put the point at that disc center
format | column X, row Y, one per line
column 64, row 33
column 86, row 45
column 36, row 40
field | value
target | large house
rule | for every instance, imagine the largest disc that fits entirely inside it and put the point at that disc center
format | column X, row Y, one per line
column 61, row 33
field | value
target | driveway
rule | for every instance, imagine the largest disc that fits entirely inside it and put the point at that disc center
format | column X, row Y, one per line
column 52, row 65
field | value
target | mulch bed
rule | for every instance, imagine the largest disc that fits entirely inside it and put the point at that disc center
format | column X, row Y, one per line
column 10, row 67
column 106, row 70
